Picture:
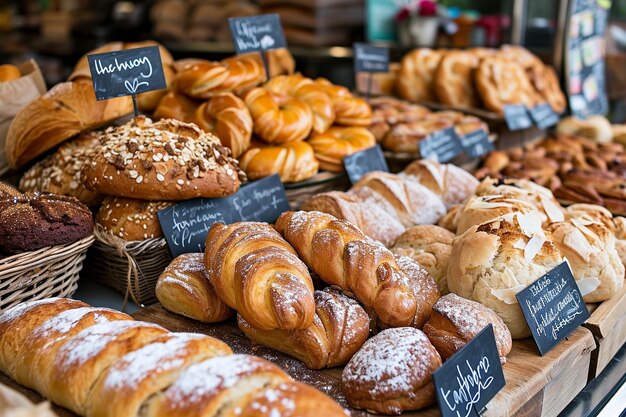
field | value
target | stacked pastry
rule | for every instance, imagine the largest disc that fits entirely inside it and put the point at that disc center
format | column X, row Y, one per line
column 575, row 168
column 384, row 205
column 479, row 78
column 511, row 233
column 99, row 362
column 262, row 274
column 400, row 126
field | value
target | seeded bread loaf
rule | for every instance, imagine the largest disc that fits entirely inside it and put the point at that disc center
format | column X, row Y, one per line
column 131, row 219
column 164, row 160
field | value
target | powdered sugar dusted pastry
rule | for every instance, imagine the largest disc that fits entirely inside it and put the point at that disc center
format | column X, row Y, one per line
column 392, row 372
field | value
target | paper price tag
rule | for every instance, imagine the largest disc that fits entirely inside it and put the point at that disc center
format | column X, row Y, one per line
column 553, row 307
column 360, row 163
column 186, row 224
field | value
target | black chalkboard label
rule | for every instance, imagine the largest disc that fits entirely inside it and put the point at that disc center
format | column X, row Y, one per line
column 360, row 163
column 517, row 117
column 553, row 307
column 257, row 33
column 127, row 72
column 369, row 58
column 467, row 381
column 441, row 146
column 186, row 224
column 477, row 143
column 543, row 116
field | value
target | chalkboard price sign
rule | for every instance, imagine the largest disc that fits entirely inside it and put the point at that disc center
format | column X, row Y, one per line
column 543, row 116
column 126, row 73
column 360, row 163
column 517, row 117
column 553, row 307
column 257, row 33
column 186, row 224
column 477, row 143
column 441, row 146
column 370, row 58
column 471, row 378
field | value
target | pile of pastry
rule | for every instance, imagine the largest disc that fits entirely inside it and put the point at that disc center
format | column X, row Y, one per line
column 266, row 275
column 32, row 221
column 290, row 125
column 99, row 362
column 400, row 126
column 575, row 168
column 479, row 78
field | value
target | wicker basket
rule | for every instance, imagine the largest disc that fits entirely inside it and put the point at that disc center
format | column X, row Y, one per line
column 44, row 273
column 130, row 267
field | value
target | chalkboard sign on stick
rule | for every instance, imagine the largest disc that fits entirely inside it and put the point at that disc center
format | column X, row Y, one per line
column 477, row 143
column 360, row 163
column 126, row 73
column 471, row 378
column 370, row 58
column 186, row 224
column 441, row 146
column 553, row 307
column 543, row 116
column 517, row 117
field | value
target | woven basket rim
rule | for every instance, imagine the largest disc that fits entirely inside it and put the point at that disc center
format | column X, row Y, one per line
column 28, row 260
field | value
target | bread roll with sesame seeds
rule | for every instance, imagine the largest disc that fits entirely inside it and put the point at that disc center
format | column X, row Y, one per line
column 164, row 160
column 131, row 219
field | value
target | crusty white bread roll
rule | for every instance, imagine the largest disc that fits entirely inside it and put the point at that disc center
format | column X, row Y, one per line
column 479, row 209
column 493, row 261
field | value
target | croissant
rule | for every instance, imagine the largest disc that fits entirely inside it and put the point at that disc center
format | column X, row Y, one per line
column 256, row 272
column 339, row 329
column 342, row 256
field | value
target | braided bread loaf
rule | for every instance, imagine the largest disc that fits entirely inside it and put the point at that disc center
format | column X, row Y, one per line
column 341, row 255
column 293, row 161
column 256, row 272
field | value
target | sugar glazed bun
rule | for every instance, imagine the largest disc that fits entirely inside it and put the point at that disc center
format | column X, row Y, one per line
column 392, row 372
column 455, row 321
column 495, row 260
column 429, row 246
column 590, row 248
column 164, row 160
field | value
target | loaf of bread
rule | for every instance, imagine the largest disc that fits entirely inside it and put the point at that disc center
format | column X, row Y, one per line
column 256, row 272
column 8, row 191
column 480, row 209
column 292, row 161
column 131, row 219
column 36, row 220
column 184, row 288
column 342, row 256
column 163, row 160
column 430, row 247
column 101, row 363
column 392, row 372
column 66, row 110
column 493, row 261
column 424, row 288
column 339, row 329
column 455, row 321
column 60, row 172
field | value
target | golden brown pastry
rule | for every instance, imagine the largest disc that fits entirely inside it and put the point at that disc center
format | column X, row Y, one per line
column 455, row 321
column 256, row 272
column 405, row 137
column 293, row 161
column 450, row 220
column 9, row 72
column 184, row 288
column 177, row 106
column 430, row 247
column 227, row 117
column 392, row 372
column 492, row 262
column 60, row 172
column 339, row 329
column 424, row 288
column 164, row 160
column 336, row 143
column 342, row 256
column 546, row 82
column 349, row 110
column 278, row 118
column 417, row 73
column 131, row 219
column 8, row 191
column 66, row 110
column 133, row 379
column 454, row 80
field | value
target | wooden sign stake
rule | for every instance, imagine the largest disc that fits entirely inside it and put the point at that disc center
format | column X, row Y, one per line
column 266, row 65
column 135, row 105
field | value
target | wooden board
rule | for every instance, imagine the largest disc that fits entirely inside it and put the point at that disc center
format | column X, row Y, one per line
column 535, row 385
column 607, row 326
